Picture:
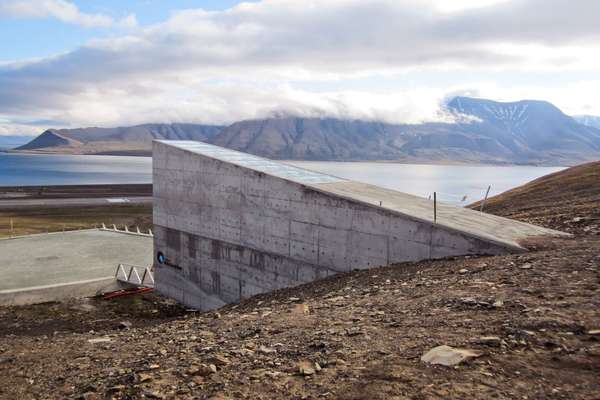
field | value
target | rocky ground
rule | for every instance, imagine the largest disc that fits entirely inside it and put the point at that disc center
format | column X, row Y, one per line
column 532, row 319
column 522, row 326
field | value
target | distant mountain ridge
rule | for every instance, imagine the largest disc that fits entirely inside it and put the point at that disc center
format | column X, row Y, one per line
column 518, row 132
column 49, row 139
column 135, row 140
column 486, row 131
column 530, row 128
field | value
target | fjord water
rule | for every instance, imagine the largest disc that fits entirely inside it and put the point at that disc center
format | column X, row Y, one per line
column 455, row 184
column 37, row 170
column 451, row 182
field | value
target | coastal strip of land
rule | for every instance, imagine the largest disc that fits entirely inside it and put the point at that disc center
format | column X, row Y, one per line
column 41, row 209
column 74, row 191
column 24, row 203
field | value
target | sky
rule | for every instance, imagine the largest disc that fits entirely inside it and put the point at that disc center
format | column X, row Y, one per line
column 67, row 63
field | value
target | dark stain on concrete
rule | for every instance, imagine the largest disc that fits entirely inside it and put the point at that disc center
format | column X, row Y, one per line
column 173, row 240
column 191, row 246
column 257, row 260
column 215, row 249
column 216, row 282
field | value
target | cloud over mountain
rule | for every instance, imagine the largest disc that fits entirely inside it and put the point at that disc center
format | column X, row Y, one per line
column 339, row 58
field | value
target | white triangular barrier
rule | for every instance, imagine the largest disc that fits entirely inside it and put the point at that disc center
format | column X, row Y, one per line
column 131, row 274
column 121, row 274
column 147, row 278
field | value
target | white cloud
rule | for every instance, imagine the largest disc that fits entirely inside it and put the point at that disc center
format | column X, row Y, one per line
column 578, row 97
column 300, row 56
column 462, row 5
column 63, row 11
column 11, row 129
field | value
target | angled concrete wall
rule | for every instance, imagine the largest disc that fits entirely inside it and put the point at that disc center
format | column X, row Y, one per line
column 233, row 225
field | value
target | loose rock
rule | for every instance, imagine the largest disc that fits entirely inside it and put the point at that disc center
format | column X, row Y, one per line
column 306, row 368
column 448, row 356
column 100, row 340
column 125, row 325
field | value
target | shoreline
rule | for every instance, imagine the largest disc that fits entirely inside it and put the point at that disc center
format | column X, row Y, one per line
column 74, row 191
column 145, row 154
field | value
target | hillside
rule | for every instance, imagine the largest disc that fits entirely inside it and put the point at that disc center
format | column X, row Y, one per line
column 533, row 132
column 51, row 139
column 529, row 129
column 524, row 132
column 366, row 330
column 531, row 322
column 314, row 139
column 135, row 140
column 567, row 200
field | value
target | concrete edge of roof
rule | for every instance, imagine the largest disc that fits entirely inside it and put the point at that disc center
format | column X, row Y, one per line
column 49, row 233
column 60, row 291
column 509, row 245
column 170, row 142
column 75, row 231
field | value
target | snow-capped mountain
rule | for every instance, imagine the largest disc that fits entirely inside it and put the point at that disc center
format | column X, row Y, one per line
column 486, row 131
column 513, row 116
column 528, row 127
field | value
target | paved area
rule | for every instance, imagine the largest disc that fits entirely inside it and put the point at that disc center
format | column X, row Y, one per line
column 59, row 258
column 73, row 202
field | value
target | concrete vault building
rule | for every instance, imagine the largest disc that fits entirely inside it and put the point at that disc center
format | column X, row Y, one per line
column 230, row 225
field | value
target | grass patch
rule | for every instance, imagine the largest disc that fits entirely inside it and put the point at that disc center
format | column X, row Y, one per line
column 26, row 221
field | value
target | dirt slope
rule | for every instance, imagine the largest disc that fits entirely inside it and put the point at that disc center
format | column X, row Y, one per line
column 568, row 200
column 534, row 317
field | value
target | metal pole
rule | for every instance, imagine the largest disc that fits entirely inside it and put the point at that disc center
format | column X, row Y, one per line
column 485, row 198
column 434, row 207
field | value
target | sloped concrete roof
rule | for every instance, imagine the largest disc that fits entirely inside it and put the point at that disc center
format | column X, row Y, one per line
column 274, row 168
column 501, row 231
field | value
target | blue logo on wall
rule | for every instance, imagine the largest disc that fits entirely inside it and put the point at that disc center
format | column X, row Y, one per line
column 160, row 257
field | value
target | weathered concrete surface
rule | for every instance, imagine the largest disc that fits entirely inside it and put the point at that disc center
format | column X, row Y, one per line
column 57, row 292
column 49, row 267
column 233, row 225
